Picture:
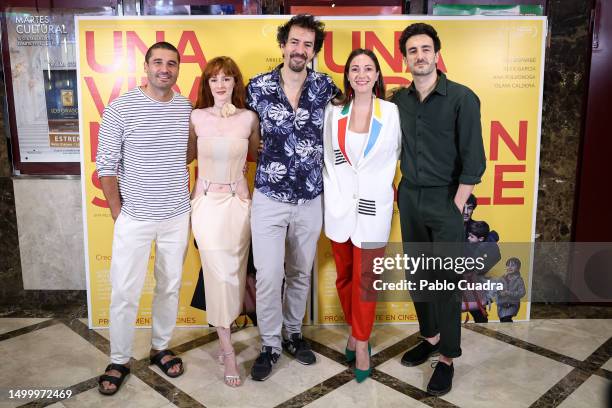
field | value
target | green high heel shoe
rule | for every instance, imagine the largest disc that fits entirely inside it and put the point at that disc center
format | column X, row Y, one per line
column 361, row 375
column 350, row 355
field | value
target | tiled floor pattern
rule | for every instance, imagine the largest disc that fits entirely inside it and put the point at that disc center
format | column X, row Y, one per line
column 541, row 363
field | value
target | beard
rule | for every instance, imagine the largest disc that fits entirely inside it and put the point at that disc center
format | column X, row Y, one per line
column 423, row 70
column 297, row 65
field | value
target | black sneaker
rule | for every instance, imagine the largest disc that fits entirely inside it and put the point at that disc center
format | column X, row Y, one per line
column 419, row 353
column 262, row 368
column 441, row 380
column 300, row 349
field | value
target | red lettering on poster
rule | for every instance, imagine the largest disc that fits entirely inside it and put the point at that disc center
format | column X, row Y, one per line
column 97, row 201
column 519, row 150
column 195, row 89
column 90, row 50
column 483, row 200
column 440, row 65
column 94, row 129
column 500, row 184
column 95, row 94
column 372, row 42
column 328, row 57
column 189, row 37
column 355, row 40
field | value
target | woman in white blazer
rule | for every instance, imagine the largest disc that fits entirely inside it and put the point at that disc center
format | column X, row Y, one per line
column 362, row 141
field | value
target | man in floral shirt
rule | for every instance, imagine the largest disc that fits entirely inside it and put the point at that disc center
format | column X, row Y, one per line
column 286, row 216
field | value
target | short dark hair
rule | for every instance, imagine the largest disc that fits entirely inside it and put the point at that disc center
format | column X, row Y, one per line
column 349, row 94
column 418, row 29
column 306, row 21
column 480, row 229
column 164, row 46
column 514, row 261
column 472, row 201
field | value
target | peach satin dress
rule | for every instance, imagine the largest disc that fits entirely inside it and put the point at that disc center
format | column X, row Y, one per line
column 221, row 226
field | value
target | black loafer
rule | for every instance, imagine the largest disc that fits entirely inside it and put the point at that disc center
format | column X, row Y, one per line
column 419, row 353
column 441, row 380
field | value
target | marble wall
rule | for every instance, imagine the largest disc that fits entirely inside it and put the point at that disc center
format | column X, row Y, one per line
column 50, row 229
column 5, row 164
column 52, row 287
column 10, row 267
column 565, row 86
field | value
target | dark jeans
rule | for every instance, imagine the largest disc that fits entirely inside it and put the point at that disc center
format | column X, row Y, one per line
column 429, row 215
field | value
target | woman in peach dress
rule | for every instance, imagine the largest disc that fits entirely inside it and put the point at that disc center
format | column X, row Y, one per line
column 223, row 132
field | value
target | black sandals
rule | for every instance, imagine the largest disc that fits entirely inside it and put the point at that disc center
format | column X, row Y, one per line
column 116, row 381
column 165, row 367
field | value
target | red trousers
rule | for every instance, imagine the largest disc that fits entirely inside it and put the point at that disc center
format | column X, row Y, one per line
column 354, row 284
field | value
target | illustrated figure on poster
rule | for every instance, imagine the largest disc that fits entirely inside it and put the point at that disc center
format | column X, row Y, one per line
column 509, row 299
column 223, row 131
column 286, row 217
column 482, row 243
column 442, row 159
column 362, row 142
column 141, row 165
column 468, row 211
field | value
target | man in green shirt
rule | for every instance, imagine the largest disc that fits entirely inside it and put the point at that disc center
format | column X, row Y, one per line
column 442, row 159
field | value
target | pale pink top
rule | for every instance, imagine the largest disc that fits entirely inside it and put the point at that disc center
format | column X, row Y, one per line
column 222, row 145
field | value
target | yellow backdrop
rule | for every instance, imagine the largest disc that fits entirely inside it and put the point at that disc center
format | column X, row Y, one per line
column 500, row 59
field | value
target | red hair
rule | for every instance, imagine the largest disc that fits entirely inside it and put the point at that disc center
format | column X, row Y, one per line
column 229, row 68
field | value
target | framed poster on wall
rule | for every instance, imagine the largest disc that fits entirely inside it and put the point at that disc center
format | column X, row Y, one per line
column 40, row 65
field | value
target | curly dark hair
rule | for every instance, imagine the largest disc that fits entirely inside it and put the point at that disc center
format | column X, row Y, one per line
column 418, row 29
column 306, row 21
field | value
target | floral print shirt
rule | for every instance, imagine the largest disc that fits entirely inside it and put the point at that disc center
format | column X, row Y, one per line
column 291, row 162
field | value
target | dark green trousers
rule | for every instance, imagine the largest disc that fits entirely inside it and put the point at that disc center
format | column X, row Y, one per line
column 429, row 216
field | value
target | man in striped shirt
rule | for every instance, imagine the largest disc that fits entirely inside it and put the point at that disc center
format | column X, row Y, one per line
column 141, row 163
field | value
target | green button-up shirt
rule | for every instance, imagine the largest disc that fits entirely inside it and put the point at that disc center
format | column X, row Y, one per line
column 441, row 136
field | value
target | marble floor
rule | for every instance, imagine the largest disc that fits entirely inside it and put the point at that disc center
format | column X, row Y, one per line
column 541, row 363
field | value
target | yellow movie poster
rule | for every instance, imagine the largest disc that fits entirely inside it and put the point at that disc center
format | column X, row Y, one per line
column 501, row 59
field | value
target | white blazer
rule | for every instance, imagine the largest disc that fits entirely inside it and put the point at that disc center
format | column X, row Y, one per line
column 359, row 198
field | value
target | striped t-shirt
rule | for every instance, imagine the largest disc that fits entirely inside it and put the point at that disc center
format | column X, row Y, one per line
column 144, row 143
